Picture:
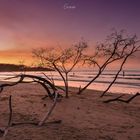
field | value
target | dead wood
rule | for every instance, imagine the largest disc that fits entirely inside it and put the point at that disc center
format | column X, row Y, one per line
column 47, row 85
column 1, row 132
column 122, row 100
column 42, row 81
column 46, row 116
column 35, row 123
column 4, row 132
column 10, row 111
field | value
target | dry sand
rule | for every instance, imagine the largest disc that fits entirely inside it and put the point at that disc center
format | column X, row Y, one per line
column 84, row 117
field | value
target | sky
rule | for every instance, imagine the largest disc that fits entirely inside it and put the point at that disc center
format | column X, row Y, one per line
column 28, row 24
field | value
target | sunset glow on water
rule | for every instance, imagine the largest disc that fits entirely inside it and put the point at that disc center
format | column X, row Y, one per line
column 31, row 24
column 130, row 83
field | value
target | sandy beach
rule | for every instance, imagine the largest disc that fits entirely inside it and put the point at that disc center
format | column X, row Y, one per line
column 83, row 117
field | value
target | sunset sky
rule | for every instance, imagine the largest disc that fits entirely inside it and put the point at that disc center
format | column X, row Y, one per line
column 28, row 24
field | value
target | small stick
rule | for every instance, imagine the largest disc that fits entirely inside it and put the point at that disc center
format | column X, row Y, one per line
column 11, row 111
column 35, row 123
column 5, row 131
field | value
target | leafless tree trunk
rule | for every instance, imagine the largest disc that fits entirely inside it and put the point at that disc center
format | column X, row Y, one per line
column 120, row 49
column 64, row 61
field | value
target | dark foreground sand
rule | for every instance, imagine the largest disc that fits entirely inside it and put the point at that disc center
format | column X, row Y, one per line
column 84, row 117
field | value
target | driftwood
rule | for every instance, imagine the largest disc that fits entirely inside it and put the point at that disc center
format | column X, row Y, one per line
column 36, row 123
column 5, row 131
column 10, row 110
column 46, row 116
column 42, row 81
column 43, row 120
column 122, row 100
column 50, row 89
column 1, row 133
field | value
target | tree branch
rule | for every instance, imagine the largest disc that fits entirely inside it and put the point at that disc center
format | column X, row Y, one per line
column 11, row 111
column 122, row 100
column 49, row 112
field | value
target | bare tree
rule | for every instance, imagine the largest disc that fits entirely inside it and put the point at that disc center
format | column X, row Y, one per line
column 62, row 61
column 118, row 47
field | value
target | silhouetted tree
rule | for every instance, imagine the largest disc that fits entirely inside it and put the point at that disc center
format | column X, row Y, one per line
column 118, row 47
column 62, row 61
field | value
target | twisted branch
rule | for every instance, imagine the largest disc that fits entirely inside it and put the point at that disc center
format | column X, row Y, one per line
column 122, row 100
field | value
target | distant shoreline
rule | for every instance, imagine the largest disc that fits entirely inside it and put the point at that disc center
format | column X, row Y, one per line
column 21, row 68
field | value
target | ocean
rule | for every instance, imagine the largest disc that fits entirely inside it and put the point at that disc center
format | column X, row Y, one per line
column 127, row 81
